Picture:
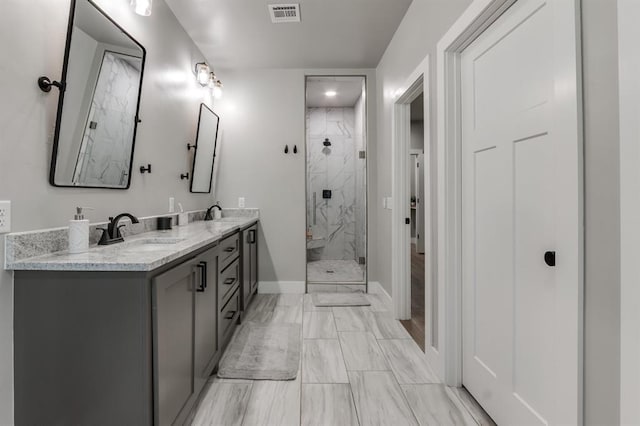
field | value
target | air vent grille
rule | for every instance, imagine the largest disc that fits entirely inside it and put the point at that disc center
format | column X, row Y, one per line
column 284, row 13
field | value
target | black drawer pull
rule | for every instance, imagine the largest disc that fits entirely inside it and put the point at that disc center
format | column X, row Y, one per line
column 229, row 281
column 203, row 282
column 230, row 249
column 230, row 315
column 252, row 236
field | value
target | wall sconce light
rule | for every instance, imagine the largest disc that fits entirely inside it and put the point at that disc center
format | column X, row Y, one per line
column 202, row 73
column 206, row 77
column 217, row 89
column 142, row 7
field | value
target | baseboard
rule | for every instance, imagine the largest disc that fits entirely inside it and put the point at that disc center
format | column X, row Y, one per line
column 276, row 287
column 376, row 288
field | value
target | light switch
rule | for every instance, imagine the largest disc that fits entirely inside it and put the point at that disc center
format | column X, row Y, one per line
column 241, row 202
column 5, row 217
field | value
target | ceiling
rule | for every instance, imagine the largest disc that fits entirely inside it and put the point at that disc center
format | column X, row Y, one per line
column 332, row 33
column 348, row 91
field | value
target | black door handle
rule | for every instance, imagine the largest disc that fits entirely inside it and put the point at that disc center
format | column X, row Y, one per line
column 550, row 258
column 203, row 280
column 229, row 249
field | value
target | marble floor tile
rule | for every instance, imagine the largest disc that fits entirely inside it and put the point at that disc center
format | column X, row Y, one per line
column 408, row 363
column 319, row 325
column 361, row 352
column 351, row 318
column 289, row 299
column 288, row 314
column 470, row 405
column 264, row 302
column 322, row 362
column 328, row 405
column 310, row 307
column 274, row 403
column 223, row 404
column 258, row 315
column 379, row 399
column 379, row 303
column 432, row 405
column 384, row 326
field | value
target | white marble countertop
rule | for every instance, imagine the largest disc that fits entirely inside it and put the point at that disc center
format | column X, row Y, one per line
column 141, row 252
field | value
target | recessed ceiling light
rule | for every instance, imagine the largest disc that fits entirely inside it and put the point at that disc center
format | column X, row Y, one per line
column 330, row 93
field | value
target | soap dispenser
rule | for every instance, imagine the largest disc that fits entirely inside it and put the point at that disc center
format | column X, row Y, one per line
column 79, row 232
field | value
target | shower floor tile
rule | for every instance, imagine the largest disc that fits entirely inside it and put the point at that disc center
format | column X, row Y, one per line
column 331, row 271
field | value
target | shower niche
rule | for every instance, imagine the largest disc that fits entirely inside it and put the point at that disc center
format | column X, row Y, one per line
column 336, row 182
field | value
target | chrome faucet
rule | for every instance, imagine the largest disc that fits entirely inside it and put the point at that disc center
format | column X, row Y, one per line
column 215, row 206
column 111, row 234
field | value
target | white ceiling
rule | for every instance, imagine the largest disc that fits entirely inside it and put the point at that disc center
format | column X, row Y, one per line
column 348, row 89
column 332, row 34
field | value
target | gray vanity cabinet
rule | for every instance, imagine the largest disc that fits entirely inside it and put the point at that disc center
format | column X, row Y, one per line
column 127, row 348
column 206, row 318
column 173, row 325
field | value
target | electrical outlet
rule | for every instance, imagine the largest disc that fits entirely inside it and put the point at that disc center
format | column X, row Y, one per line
column 172, row 204
column 241, row 202
column 5, row 217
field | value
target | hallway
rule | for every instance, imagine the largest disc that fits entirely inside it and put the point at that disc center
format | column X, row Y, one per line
column 358, row 367
column 415, row 326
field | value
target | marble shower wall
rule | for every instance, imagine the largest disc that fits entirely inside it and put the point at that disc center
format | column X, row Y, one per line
column 334, row 223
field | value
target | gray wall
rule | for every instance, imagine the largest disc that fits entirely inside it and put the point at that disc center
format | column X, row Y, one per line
column 262, row 111
column 33, row 38
column 424, row 24
column 602, row 212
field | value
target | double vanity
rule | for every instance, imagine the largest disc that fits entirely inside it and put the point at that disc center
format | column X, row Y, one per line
column 130, row 333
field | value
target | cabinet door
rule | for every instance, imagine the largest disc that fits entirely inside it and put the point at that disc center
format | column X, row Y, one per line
column 173, row 306
column 246, row 269
column 206, row 328
column 253, row 235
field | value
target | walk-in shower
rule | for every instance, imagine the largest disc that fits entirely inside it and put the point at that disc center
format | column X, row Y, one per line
column 336, row 181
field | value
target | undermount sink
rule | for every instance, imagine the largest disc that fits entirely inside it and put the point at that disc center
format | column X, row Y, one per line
column 151, row 244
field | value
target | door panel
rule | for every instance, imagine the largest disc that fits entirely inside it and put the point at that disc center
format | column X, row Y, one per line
column 512, row 159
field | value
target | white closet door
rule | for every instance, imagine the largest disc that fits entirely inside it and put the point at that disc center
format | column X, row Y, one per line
column 520, row 350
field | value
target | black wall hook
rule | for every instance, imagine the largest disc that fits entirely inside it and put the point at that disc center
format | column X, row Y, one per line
column 45, row 84
column 184, row 176
column 190, row 147
column 286, row 149
column 295, row 149
column 144, row 169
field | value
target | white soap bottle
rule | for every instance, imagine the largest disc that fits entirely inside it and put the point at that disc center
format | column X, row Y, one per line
column 79, row 232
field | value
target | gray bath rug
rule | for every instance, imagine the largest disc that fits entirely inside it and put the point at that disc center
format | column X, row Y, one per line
column 262, row 351
column 339, row 299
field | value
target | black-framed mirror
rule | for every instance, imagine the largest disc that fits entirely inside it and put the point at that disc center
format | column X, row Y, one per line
column 206, row 142
column 99, row 102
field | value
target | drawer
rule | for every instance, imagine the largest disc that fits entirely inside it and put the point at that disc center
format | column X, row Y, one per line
column 228, row 318
column 229, row 249
column 228, row 281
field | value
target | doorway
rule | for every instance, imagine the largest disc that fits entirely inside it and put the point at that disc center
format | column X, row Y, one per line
column 416, row 324
column 511, row 219
column 336, row 170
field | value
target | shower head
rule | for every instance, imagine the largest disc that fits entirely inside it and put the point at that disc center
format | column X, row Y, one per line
column 326, row 142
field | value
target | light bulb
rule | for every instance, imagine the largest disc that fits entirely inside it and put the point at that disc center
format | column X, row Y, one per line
column 202, row 73
column 212, row 80
column 330, row 93
column 142, row 7
column 217, row 90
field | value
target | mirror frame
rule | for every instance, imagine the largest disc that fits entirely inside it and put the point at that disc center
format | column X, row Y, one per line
column 215, row 147
column 63, row 81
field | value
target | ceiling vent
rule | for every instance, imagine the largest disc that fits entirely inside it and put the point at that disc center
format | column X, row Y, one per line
column 284, row 13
